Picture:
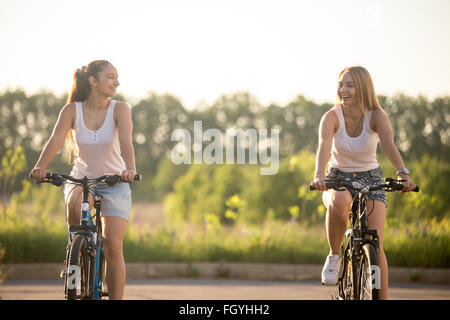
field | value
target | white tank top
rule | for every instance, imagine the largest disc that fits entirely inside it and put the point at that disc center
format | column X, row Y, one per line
column 98, row 150
column 354, row 154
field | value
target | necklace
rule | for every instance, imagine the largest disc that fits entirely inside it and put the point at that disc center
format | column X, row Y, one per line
column 354, row 130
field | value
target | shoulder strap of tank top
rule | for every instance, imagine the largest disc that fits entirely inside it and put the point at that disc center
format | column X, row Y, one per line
column 110, row 114
column 340, row 116
column 367, row 120
column 78, row 113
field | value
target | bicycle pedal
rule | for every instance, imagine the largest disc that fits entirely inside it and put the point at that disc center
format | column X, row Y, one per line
column 63, row 273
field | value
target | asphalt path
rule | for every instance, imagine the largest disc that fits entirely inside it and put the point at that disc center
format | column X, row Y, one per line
column 197, row 289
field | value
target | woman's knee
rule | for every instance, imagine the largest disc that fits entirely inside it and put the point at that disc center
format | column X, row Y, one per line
column 340, row 202
column 113, row 234
column 113, row 249
column 74, row 201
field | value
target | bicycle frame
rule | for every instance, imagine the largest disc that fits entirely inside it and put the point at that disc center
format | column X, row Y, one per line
column 358, row 234
column 361, row 234
column 93, row 233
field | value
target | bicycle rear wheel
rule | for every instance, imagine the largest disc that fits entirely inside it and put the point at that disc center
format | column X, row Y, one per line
column 78, row 273
column 369, row 274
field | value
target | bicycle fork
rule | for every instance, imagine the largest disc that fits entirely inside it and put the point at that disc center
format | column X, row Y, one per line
column 347, row 267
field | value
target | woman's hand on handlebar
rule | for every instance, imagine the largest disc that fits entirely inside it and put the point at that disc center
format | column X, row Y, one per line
column 408, row 185
column 38, row 174
column 128, row 175
column 319, row 183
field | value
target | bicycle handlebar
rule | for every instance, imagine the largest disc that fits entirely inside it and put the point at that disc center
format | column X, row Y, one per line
column 391, row 185
column 58, row 179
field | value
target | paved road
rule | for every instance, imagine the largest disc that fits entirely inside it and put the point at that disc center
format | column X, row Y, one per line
column 191, row 289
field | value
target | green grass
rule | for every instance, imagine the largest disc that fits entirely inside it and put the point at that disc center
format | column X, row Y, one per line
column 271, row 242
column 423, row 245
column 420, row 244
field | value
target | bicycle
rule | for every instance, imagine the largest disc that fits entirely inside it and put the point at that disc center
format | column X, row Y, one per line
column 359, row 277
column 85, row 266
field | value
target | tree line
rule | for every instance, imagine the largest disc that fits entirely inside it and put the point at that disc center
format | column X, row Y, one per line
column 421, row 127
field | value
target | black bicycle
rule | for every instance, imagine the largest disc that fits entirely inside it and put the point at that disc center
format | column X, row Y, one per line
column 359, row 277
column 85, row 266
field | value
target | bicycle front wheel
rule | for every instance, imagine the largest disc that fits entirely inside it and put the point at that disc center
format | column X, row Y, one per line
column 369, row 280
column 347, row 281
column 100, row 286
column 77, row 279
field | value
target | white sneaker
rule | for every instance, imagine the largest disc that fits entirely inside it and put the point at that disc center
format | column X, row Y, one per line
column 330, row 271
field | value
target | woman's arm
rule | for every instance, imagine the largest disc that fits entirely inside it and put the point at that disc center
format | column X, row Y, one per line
column 125, row 128
column 327, row 128
column 62, row 127
column 383, row 127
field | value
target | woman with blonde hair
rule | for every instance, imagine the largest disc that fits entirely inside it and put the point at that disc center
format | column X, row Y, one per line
column 98, row 132
column 350, row 132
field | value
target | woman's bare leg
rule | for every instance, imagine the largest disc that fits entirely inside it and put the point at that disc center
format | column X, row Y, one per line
column 113, row 234
column 375, row 220
column 73, row 205
column 338, row 205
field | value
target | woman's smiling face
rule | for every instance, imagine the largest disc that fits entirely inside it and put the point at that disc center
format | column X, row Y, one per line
column 107, row 81
column 346, row 89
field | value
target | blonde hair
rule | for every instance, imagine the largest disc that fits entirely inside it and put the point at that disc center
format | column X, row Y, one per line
column 80, row 91
column 364, row 88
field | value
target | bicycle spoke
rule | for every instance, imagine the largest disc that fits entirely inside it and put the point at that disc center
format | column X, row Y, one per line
column 368, row 294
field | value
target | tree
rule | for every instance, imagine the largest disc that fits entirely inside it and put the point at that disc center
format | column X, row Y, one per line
column 13, row 163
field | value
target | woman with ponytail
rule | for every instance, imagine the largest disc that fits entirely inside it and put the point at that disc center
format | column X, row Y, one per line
column 98, row 135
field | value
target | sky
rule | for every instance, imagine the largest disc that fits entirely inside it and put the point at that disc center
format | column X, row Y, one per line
column 198, row 50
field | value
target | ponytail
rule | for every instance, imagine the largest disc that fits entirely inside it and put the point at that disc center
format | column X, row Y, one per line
column 81, row 89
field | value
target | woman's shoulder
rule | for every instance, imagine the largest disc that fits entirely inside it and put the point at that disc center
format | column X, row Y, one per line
column 331, row 114
column 121, row 105
column 378, row 117
column 69, row 109
column 378, row 114
column 121, row 110
column 68, row 114
column 330, row 120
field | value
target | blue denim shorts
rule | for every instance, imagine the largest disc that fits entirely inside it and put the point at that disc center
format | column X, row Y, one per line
column 371, row 177
column 116, row 200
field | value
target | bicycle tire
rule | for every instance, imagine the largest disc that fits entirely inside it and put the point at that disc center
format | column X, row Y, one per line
column 368, row 273
column 101, row 284
column 347, row 279
column 78, row 274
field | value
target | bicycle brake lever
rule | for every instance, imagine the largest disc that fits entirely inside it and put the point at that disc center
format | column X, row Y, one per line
column 57, row 183
column 112, row 180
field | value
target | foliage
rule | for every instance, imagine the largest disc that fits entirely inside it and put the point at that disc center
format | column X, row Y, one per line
column 271, row 241
column 2, row 253
column 285, row 195
column 34, row 229
column 421, row 243
column 228, row 211
column 12, row 164
column 420, row 126
column 432, row 176
column 204, row 190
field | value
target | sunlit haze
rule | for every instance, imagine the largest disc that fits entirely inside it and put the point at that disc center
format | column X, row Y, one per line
column 198, row 50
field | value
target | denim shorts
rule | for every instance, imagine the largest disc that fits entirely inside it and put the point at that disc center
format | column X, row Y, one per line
column 370, row 177
column 116, row 201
